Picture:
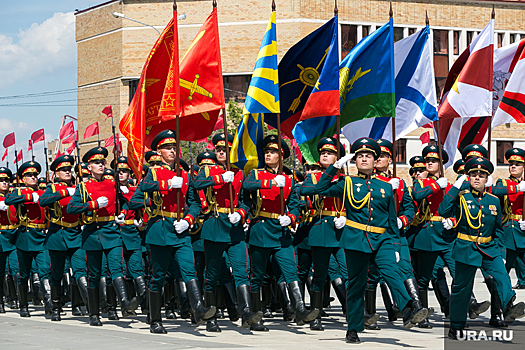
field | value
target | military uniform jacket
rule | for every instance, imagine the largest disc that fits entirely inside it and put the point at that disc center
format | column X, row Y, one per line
column 265, row 231
column 32, row 218
column 431, row 235
column 162, row 213
column 511, row 201
column 323, row 232
column 8, row 227
column 370, row 209
column 129, row 232
column 138, row 204
column 100, row 230
column 64, row 229
column 479, row 228
column 217, row 226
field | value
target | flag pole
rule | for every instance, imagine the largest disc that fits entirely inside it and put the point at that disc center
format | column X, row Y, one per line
column 191, row 159
column 338, row 116
column 489, row 138
column 177, row 136
column 79, row 166
column 32, row 152
column 16, row 165
column 394, row 155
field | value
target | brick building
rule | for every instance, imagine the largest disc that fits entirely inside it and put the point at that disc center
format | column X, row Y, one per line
column 111, row 51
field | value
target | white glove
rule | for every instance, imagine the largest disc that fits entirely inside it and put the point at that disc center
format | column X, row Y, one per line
column 522, row 225
column 442, row 182
column 71, row 191
column 246, row 227
column 284, row 220
column 339, row 222
column 102, row 201
column 3, row 207
column 399, row 223
column 138, row 224
column 395, row 183
column 35, row 197
column 181, row 226
column 490, row 181
column 459, row 182
column 398, row 257
column 339, row 164
column 124, row 189
column 228, row 176
column 521, row 186
column 234, row 218
column 176, row 182
column 120, row 218
column 280, row 180
column 447, row 224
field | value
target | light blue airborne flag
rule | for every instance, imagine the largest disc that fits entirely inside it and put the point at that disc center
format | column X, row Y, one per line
column 366, row 90
column 416, row 101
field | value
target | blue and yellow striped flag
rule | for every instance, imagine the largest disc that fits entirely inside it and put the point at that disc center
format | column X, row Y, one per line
column 263, row 93
column 244, row 153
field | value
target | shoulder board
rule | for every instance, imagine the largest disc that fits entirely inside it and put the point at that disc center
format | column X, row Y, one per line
column 490, row 194
column 464, row 192
column 53, row 187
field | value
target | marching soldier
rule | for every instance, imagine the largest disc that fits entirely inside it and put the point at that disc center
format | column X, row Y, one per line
column 269, row 230
column 370, row 224
column 459, row 167
column 63, row 239
column 223, row 230
column 31, row 235
column 478, row 243
column 83, row 173
column 42, row 183
column 95, row 200
column 167, row 234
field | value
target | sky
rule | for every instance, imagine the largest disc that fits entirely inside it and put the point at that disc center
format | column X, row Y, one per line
column 37, row 55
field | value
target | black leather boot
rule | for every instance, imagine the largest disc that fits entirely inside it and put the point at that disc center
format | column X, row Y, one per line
column 209, row 301
column 248, row 316
column 111, row 303
column 388, row 301
column 513, row 312
column 2, row 308
column 56, row 294
column 140, row 289
column 454, row 334
column 76, row 301
column 184, row 303
column 200, row 313
column 22, row 296
column 267, row 300
column 230, row 299
column 46, row 292
column 127, row 306
column 443, row 295
column 288, row 311
column 413, row 313
column 169, row 300
column 94, row 313
column 66, row 289
column 12, row 284
column 102, row 297
column 475, row 309
column 219, row 302
column 423, row 299
column 256, row 307
column 352, row 337
column 35, row 289
column 371, row 317
column 340, row 290
column 155, row 304
column 316, row 303
column 496, row 317
column 302, row 315
column 82, row 285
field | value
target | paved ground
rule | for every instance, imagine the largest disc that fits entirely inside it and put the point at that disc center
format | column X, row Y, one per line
column 74, row 332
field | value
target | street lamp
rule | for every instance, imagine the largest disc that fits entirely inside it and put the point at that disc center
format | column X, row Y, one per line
column 121, row 15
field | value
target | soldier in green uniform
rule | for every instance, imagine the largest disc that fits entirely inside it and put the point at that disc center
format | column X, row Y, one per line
column 42, row 183
column 371, row 223
column 167, row 234
column 223, row 230
column 269, row 230
column 64, row 237
column 31, row 235
column 478, row 244
column 96, row 200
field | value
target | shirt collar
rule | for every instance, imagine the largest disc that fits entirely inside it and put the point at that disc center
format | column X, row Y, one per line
column 477, row 193
column 365, row 176
column 270, row 170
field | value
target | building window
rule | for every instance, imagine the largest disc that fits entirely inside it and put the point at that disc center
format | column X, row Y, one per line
column 401, row 151
column 365, row 31
column 470, row 36
column 398, row 33
column 411, row 31
column 236, row 87
column 348, row 38
column 133, row 84
column 500, row 40
column 456, row 42
column 512, row 38
column 501, row 148
column 440, row 58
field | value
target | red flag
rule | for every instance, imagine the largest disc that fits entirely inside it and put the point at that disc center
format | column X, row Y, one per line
column 110, row 141
column 66, row 130
column 71, row 138
column 19, row 157
column 30, row 147
column 108, row 111
column 9, row 140
column 91, row 130
column 205, row 139
column 425, row 137
column 70, row 149
column 220, row 124
column 38, row 136
column 5, row 155
column 58, row 154
column 170, row 103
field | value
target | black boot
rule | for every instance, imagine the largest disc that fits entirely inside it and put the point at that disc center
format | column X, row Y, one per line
column 22, row 296
column 209, row 301
column 388, row 301
column 82, row 285
column 12, row 284
column 288, row 311
column 76, row 301
column 302, row 315
column 475, row 309
column 2, row 308
column 169, row 299
column 35, row 289
column 219, row 302
column 455, row 333
column 56, row 294
column 256, row 307
column 371, row 317
column 423, row 299
column 267, row 300
column 66, row 289
column 111, row 303
column 230, row 299
column 46, row 292
column 102, row 297
column 127, row 306
column 140, row 288
column 200, row 313
column 94, row 313
column 496, row 318
column 413, row 313
column 316, row 303
column 155, row 303
column 352, row 337
column 340, row 290
column 513, row 312
column 245, row 307
column 184, row 303
column 443, row 295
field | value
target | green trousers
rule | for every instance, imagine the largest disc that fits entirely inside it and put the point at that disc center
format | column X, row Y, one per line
column 25, row 261
column 426, row 263
column 95, row 259
column 238, row 259
column 161, row 259
column 77, row 258
column 321, row 259
column 285, row 258
column 134, row 262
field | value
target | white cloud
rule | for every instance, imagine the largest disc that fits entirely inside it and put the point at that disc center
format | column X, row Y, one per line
column 40, row 49
column 8, row 126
